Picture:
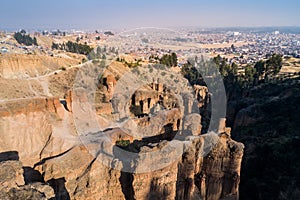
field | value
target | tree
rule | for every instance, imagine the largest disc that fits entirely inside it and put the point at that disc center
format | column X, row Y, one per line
column 249, row 75
column 234, row 69
column 54, row 46
column 109, row 33
column 174, row 59
column 260, row 68
column 273, row 65
column 169, row 60
column 24, row 39
column 224, row 67
column 73, row 47
column 98, row 50
column 232, row 47
column 217, row 60
column 35, row 41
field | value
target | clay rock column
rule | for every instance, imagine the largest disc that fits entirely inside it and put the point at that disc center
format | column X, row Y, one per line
column 110, row 84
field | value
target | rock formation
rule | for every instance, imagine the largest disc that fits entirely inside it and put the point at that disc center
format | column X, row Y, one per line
column 192, row 176
column 171, row 158
column 24, row 66
column 12, row 184
column 201, row 94
column 110, row 83
column 33, row 128
column 68, row 98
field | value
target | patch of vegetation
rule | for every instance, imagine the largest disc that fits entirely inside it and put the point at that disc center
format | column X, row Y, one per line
column 24, row 39
column 73, row 47
column 169, row 60
column 109, row 33
column 95, row 61
column 63, row 68
column 271, row 162
column 136, row 63
column 123, row 143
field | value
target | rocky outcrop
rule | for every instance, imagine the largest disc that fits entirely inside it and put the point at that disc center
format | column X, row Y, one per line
column 33, row 128
column 25, row 106
column 221, row 169
column 160, row 184
column 170, row 159
column 195, row 176
column 110, row 83
column 68, row 98
column 192, row 124
column 201, row 94
column 191, row 176
column 12, row 184
column 80, row 172
column 248, row 116
column 11, row 174
column 25, row 66
column 80, row 175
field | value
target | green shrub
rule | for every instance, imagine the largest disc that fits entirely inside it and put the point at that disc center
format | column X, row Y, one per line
column 122, row 143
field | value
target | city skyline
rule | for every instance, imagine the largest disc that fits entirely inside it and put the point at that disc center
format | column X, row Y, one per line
column 93, row 14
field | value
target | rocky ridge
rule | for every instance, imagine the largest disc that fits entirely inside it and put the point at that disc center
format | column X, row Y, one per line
column 43, row 133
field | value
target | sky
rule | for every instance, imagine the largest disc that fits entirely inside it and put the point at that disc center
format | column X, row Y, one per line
column 97, row 14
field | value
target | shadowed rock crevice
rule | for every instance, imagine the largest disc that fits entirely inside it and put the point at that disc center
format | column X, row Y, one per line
column 31, row 175
column 9, row 155
column 61, row 193
column 126, row 180
column 17, row 182
column 126, row 177
column 46, row 144
column 52, row 157
column 65, row 104
column 157, row 192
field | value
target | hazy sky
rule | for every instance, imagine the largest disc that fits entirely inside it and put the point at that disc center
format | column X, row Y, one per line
column 92, row 14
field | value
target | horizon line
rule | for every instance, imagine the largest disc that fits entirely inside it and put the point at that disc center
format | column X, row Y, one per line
column 139, row 27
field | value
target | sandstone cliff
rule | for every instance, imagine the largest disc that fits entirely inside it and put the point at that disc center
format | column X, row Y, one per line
column 25, row 66
column 193, row 176
column 73, row 171
column 170, row 159
column 12, row 184
column 36, row 128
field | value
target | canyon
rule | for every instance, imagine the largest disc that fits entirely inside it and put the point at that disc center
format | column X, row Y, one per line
column 150, row 144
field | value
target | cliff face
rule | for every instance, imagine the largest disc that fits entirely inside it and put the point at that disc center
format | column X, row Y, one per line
column 12, row 184
column 192, row 176
column 172, row 160
column 73, row 171
column 212, row 177
column 33, row 128
column 24, row 66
